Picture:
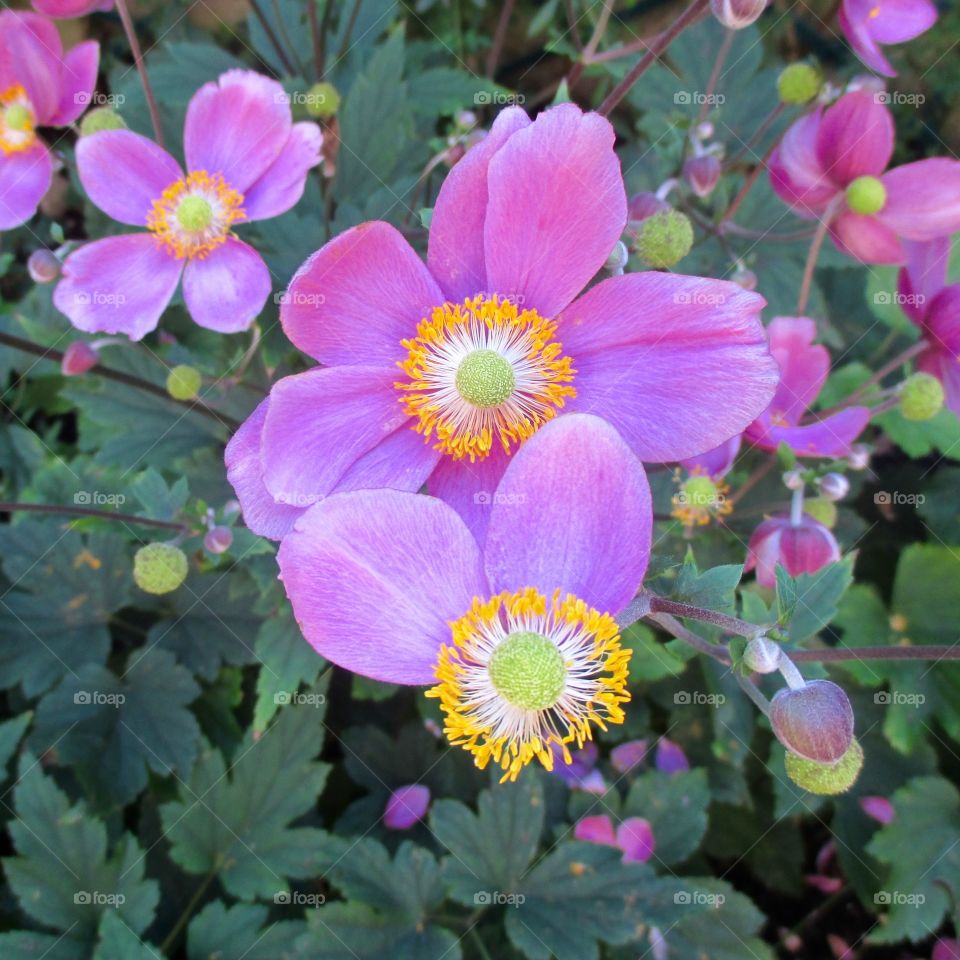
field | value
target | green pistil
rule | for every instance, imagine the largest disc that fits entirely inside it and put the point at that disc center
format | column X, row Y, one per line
column 17, row 117
column 194, row 214
column 528, row 671
column 485, row 379
column 866, row 195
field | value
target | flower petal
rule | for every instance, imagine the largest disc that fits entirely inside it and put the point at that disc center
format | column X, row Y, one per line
column 924, row 275
column 830, row 437
column 866, row 239
column 796, row 173
column 375, row 577
column 556, row 208
column 864, row 44
column 123, row 173
column 718, row 461
column 357, row 297
column 595, row 829
column 117, row 285
column 237, row 126
column 855, row 138
column 281, row 185
column 30, row 55
column 677, row 364
column 77, row 82
column 572, row 512
column 226, row 290
column 803, row 366
column 455, row 255
column 923, row 199
column 635, row 838
column 24, row 179
column 895, row 21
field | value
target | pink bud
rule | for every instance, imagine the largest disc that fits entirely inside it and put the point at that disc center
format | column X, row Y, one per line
column 643, row 205
column 702, row 174
column 946, row 950
column 78, row 358
column 218, row 539
column 880, row 808
column 628, row 755
column 43, row 266
column 834, row 486
column 825, row 884
column 670, row 757
column 406, row 806
column 635, row 838
column 597, row 829
column 745, row 278
column 737, row 14
column 805, row 547
column 814, row 721
column 859, row 457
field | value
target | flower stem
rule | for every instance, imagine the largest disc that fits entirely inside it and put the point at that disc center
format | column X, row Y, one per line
column 811, row 264
column 499, row 36
column 732, row 625
column 141, row 69
column 90, row 512
column 272, row 37
column 837, row 654
column 718, row 63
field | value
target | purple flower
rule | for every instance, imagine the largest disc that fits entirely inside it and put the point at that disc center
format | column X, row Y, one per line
column 670, row 757
column 246, row 161
column 518, row 635
column 946, row 950
column 68, row 9
column 868, row 24
column 879, row 808
column 438, row 373
column 634, row 836
column 803, row 547
column 596, row 829
column 406, row 806
column 581, row 772
column 831, row 164
column 626, row 756
column 40, row 86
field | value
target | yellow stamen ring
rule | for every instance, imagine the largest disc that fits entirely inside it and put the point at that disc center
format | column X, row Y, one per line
column 16, row 120
column 526, row 672
column 483, row 370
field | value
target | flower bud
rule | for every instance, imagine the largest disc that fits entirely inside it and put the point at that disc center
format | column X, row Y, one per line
column 78, row 358
column 183, row 382
column 626, row 756
column 859, row 456
column 702, row 174
column 826, row 779
column 745, row 278
column 804, row 547
column 218, row 539
column 670, row 757
column 834, row 486
column 799, row 83
column 921, row 397
column 793, row 480
column 643, row 205
column 159, row 568
column 664, row 239
column 617, row 259
column 101, row 118
column 322, row 100
column 762, row 655
column 814, row 721
column 43, row 266
column 598, row 829
column 703, row 131
column 822, row 510
column 406, row 806
column 737, row 14
column 635, row 838
column 879, row 808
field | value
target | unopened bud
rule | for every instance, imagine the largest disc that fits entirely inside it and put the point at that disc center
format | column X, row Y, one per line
column 101, row 118
column 323, row 100
column 762, row 655
column 78, row 358
column 702, row 174
column 642, row 206
column 834, row 486
column 218, row 539
column 859, row 456
column 664, row 239
column 826, row 779
column 793, row 480
column 814, row 721
column 921, row 397
column 799, row 83
column 43, row 266
column 737, row 14
column 406, row 806
column 617, row 259
column 745, row 278
column 183, row 382
column 159, row 568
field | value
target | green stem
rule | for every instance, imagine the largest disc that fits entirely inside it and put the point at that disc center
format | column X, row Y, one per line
column 67, row 510
column 177, row 929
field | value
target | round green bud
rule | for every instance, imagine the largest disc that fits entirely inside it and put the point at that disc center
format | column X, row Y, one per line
column 194, row 213
column 799, row 83
column 322, row 100
column 17, row 117
column 528, row 671
column 822, row 510
column 921, row 396
column 485, row 378
column 102, row 118
column 826, row 779
column 183, row 382
column 866, row 195
column 699, row 491
column 159, row 568
column 664, row 239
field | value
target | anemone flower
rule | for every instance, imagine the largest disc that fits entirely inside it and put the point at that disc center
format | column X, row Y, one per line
column 246, row 160
column 831, row 165
column 868, row 24
column 518, row 635
column 798, row 544
column 40, row 86
column 438, row 373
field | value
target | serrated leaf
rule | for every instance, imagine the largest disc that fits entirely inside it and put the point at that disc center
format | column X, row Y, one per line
column 29, row 945
column 119, row 942
column 159, row 501
column 11, row 733
column 219, row 931
column 810, row 600
column 676, row 806
column 713, row 589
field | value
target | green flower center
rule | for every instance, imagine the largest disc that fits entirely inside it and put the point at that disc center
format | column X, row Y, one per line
column 699, row 492
column 194, row 214
column 866, row 195
column 528, row 671
column 485, row 379
column 17, row 117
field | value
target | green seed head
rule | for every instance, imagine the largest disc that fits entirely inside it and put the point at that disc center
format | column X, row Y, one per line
column 194, row 214
column 921, row 397
column 183, row 382
column 159, row 568
column 826, row 779
column 485, row 379
column 822, row 509
column 103, row 118
column 866, row 195
column 528, row 671
column 17, row 117
column 799, row 83
column 664, row 239
column 323, row 100
column 699, row 491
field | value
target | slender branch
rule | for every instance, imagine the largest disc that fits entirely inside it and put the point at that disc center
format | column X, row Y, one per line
column 772, row 118
column 141, row 69
column 822, row 227
column 715, row 74
column 748, row 185
column 691, row 15
column 67, row 510
column 574, row 25
column 272, row 37
column 345, row 43
column 499, row 36
column 316, row 37
column 678, row 630
column 727, row 624
column 321, row 42
column 898, row 361
column 586, row 57
column 836, row 654
column 751, row 690
column 192, row 904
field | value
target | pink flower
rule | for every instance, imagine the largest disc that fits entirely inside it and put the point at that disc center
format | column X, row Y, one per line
column 831, row 164
column 870, row 23
column 946, row 950
column 67, row 9
column 438, row 373
column 626, row 756
column 246, row 161
column 634, row 836
column 803, row 547
column 40, row 86
column 406, row 806
column 879, row 808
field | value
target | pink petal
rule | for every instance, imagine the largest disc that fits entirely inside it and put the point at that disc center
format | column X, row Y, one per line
column 635, row 838
column 556, row 208
column 855, row 138
column 470, row 488
column 237, row 127
column 894, row 21
column 227, row 289
column 880, row 809
column 572, row 512
column 261, row 513
column 866, row 239
column 78, row 80
column 626, row 756
column 803, row 548
column 716, row 462
column 68, row 9
column 923, row 199
column 123, row 173
column 596, row 829
column 320, row 423
column 117, row 285
column 24, row 179
column 677, row 364
column 924, row 275
column 30, row 55
column 864, row 44
column 376, row 576
column 943, row 320
column 406, row 806
column 671, row 757
column 796, row 173
column 281, row 186
column 455, row 255
column 830, row 437
column 357, row 297
column 946, row 950
column 803, row 366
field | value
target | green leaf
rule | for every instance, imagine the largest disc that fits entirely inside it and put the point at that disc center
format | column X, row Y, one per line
column 810, row 601
column 119, row 942
column 651, row 660
column 676, row 806
column 28, row 945
column 921, row 438
column 160, row 501
column 713, row 589
column 926, row 592
column 237, row 823
column 114, row 729
column 219, row 931
column 11, row 733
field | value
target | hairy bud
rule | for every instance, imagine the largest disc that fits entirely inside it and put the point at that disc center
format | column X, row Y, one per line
column 814, row 721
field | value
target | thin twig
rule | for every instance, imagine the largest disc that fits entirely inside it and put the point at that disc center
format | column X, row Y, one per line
column 499, row 36
column 322, row 40
column 815, row 245
column 715, row 74
column 728, row 624
column 272, row 37
column 836, row 654
column 141, row 69
column 345, row 43
column 678, row 630
column 90, row 512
